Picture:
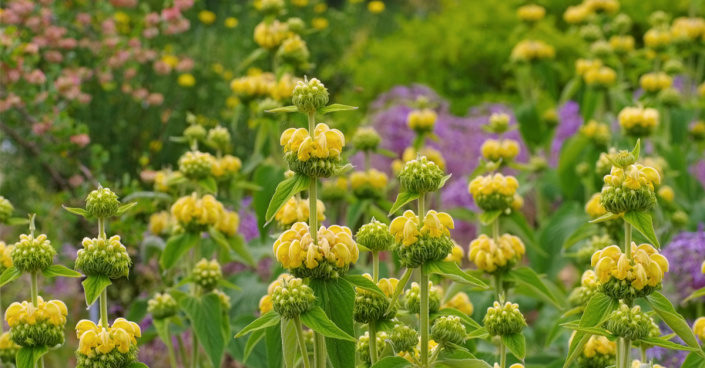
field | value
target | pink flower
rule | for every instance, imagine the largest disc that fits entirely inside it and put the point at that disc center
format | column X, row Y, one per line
column 41, row 97
column 170, row 14
column 76, row 180
column 183, row 4
column 11, row 101
column 142, row 56
column 33, row 23
column 180, row 26
column 8, row 16
column 105, row 77
column 68, row 43
column 185, row 65
column 134, row 43
column 108, row 26
column 83, row 18
column 53, row 56
column 152, row 19
column 84, row 98
column 36, row 76
column 80, row 140
column 161, row 67
column 150, row 32
column 129, row 73
column 124, row 3
column 155, row 99
column 41, row 128
column 126, row 89
column 31, row 48
column 140, row 94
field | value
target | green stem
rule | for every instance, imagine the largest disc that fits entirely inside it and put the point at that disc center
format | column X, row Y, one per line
column 35, row 290
column 104, row 308
column 182, row 349
column 423, row 318
column 170, row 348
column 495, row 230
column 422, row 208
column 101, row 228
column 194, row 351
column 367, row 161
column 302, row 341
column 644, row 359
column 624, row 352
column 2, row 325
column 319, row 351
column 375, row 266
column 628, row 240
column 373, row 342
column 436, row 352
column 502, row 355
column 313, row 210
column 498, row 286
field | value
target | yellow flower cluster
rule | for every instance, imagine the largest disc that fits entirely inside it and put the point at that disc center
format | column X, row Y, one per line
column 406, row 228
column 265, row 304
column 258, row 84
column 326, row 142
column 228, row 222
column 225, row 166
column 597, row 132
column 493, row 184
column 601, row 76
column 160, row 222
column 206, row 17
column 638, row 117
column 688, row 29
column 633, row 177
column 456, row 255
column 53, row 312
column 654, row 82
column 386, row 285
column 460, row 301
column 582, row 66
column 422, row 120
column 666, row 193
column 164, row 178
column 529, row 50
column 622, row 44
column 410, row 153
column 699, row 328
column 94, row 339
column 531, row 13
column 295, row 247
column 576, row 14
column 599, row 345
column 270, row 35
column 637, row 364
column 375, row 6
column 194, row 211
column 297, row 210
column 5, row 260
column 657, row 38
column 491, row 256
column 646, row 267
column 415, row 358
column 597, row 6
column 593, row 207
column 374, row 178
column 496, row 149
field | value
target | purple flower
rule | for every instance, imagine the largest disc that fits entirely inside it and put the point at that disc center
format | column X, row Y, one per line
column 698, row 171
column 667, row 357
column 248, row 220
column 569, row 122
column 685, row 253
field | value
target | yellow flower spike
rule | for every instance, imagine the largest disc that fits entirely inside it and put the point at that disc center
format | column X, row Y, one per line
column 460, row 301
column 699, row 328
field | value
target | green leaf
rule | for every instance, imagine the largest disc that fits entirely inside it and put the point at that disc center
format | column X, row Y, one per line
column 229, row 285
column 17, row 221
column 527, row 280
column 451, row 271
column 337, row 299
column 176, row 246
column 596, row 312
column 269, row 319
column 283, row 109
column 675, row 321
column 355, row 211
column 583, row 232
column 252, row 341
column 237, row 244
column 606, row 217
column 480, row 333
column 516, row 343
column 335, row 108
column 124, row 208
column 637, row 148
column 402, row 199
column 285, row 190
column 599, row 331
column 137, row 365
column 363, row 283
column 93, row 285
column 28, row 356
column 642, row 222
column 9, row 275
column 77, row 211
column 317, row 320
column 693, row 361
column 59, row 270
column 463, row 363
column 489, row 217
column 287, row 333
column 444, row 180
column 393, row 362
column 591, row 99
column 660, row 341
column 207, row 320
column 400, row 289
column 209, row 184
column 340, row 170
column 386, row 152
column 696, row 294
column 162, row 327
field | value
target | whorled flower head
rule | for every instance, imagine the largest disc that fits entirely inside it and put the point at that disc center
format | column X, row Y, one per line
column 421, row 176
column 225, row 167
column 532, row 50
column 366, row 139
column 197, row 214
column 8, row 349
column 160, row 223
column 196, row 165
column 598, row 352
column 331, row 257
column 589, row 286
column 421, row 242
column 195, row 132
column 363, row 345
column 629, row 323
column 371, row 306
column 448, row 329
column 502, row 320
column 456, row 254
column 498, row 123
column 5, row 258
column 228, row 223
column 531, row 13
column 496, row 149
column 106, row 257
column 638, row 121
column 37, row 326
column 294, row 51
column 414, row 355
column 269, row 35
column 500, row 256
column 292, row 297
column 219, row 137
column 599, row 133
column 593, row 207
column 403, row 338
column 162, row 306
column 460, row 301
column 265, row 303
column 102, row 203
column 629, row 189
column 412, row 298
column 309, row 95
column 32, row 254
column 493, row 192
column 207, row 274
column 375, row 236
column 115, row 346
column 657, row 38
column 655, row 82
column 422, row 120
column 316, row 156
column 624, row 278
column 297, row 210
column 410, row 153
column 6, row 209
column 334, row 189
column 622, row 44
column 368, row 184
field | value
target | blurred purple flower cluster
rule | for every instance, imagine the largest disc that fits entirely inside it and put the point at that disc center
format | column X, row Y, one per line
column 667, row 357
column 569, row 122
column 687, row 250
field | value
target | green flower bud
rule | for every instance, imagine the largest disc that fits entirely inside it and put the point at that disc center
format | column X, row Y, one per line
column 219, row 137
column 404, row 338
column 593, row 245
column 162, row 306
column 295, row 25
column 6, row 209
column 32, row 254
column 448, row 329
column 294, row 51
column 103, row 257
column 8, row 349
column 590, row 32
column 366, row 139
column 654, row 331
column 375, row 236
column 195, row 132
column 271, row 7
column 659, row 18
column 679, row 218
column 224, row 299
column 622, row 199
column 102, row 203
column 207, row 274
column 589, row 286
column 427, row 248
column 622, row 158
column 669, row 97
column 412, row 299
column 371, row 306
column 291, row 298
column 421, row 176
column 113, row 359
column 673, row 67
column 603, row 164
column 622, row 24
column 601, row 49
column 334, row 190
column 502, row 320
column 538, row 164
column 313, row 167
column 631, row 323
column 499, row 123
column 623, row 289
column 582, row 169
column 40, row 334
column 363, row 345
column 196, row 165
column 309, row 96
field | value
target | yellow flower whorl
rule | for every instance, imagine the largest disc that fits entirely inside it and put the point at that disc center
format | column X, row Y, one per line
column 629, row 188
column 638, row 121
column 5, row 258
column 197, row 214
column 297, row 210
column 225, row 167
column 368, row 184
column 530, row 50
column 270, row 35
column 36, row 326
column 491, row 256
column 493, row 192
column 228, row 223
column 460, row 301
column 496, row 149
column 117, row 343
column 422, row 120
column 629, row 278
column 699, row 328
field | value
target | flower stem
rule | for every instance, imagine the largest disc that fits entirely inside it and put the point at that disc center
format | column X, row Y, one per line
column 319, row 351
column 436, row 352
column 498, row 285
column 101, row 228
column 35, row 290
column 644, row 359
column 313, row 210
column 375, row 266
column 182, row 349
column 495, row 230
column 302, row 341
column 367, row 160
column 624, row 352
column 628, row 240
column 373, row 342
column 170, row 348
column 423, row 318
column 502, row 354
column 422, row 209
column 104, row 308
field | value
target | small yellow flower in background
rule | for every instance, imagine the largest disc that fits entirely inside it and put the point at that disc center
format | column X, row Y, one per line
column 299, row 3
column 159, row 223
column 657, row 38
column 607, row 6
column 603, row 76
column 206, row 17
column 646, row 267
column 253, row 85
column 121, row 17
column 639, row 121
column 505, row 149
column 518, row 202
column 593, row 207
column 422, row 120
column 5, row 259
column 375, row 6
column 531, row 13
column 686, row 29
column 456, row 255
column 320, row 8
column 577, row 14
column 232, row 101
column 217, row 68
column 582, row 66
column 622, row 44
column 319, row 23
column 701, row 90
column 637, row 364
column 231, row 22
column 225, row 167
column 228, row 223
column 699, row 328
column 325, row 143
column 460, row 301
column 191, row 210
column 666, row 193
column 529, row 50
column 598, row 132
column 297, row 210
column 186, row 80
column 599, row 345
column 170, row 60
column 270, row 35
column 374, row 178
column 491, row 256
column 265, row 304
column 654, row 82
column 702, row 267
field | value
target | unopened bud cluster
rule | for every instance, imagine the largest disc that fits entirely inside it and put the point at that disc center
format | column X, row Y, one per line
column 493, row 192
column 32, row 254
column 588, row 287
column 195, row 132
column 421, row 242
column 42, row 325
column 371, row 306
column 366, row 139
column 196, row 165
column 8, row 349
column 502, row 149
column 502, row 320
column 309, row 96
column 412, row 298
column 103, row 257
column 422, row 121
column 448, row 329
column 162, row 306
column 421, row 176
column 292, row 297
column 638, row 121
column 207, row 274
column 363, row 345
column 370, row 184
column 102, row 203
column 630, row 188
column 403, row 338
column 496, row 256
column 6, row 209
column 629, row 323
column 375, row 236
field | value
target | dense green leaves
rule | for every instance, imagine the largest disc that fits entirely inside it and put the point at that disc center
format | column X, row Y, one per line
column 59, row 270
column 642, row 222
column 206, row 316
column 393, row 362
column 403, row 198
column 77, row 211
column 528, row 282
column 662, row 342
column 176, row 246
column 317, row 320
column 93, row 285
column 124, row 208
column 489, row 217
column 268, row 319
column 516, row 343
column 598, row 309
column 363, row 283
column 675, row 321
column 336, row 298
column 451, row 271
column 463, row 363
column 285, row 190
